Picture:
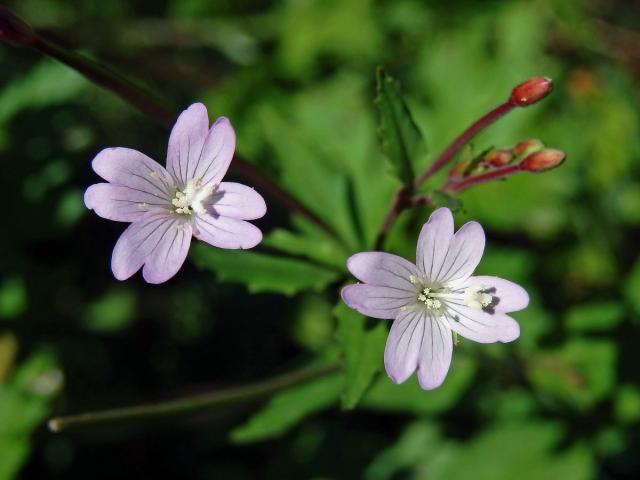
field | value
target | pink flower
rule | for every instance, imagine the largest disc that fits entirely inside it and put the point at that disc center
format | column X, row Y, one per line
column 434, row 298
column 167, row 206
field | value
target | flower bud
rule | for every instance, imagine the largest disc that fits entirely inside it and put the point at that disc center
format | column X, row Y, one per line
column 543, row 160
column 14, row 30
column 527, row 147
column 498, row 158
column 531, row 91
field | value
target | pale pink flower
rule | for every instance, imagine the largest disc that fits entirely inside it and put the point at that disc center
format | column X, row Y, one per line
column 434, row 298
column 167, row 206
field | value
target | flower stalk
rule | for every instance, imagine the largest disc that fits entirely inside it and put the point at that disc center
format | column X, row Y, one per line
column 192, row 405
column 525, row 94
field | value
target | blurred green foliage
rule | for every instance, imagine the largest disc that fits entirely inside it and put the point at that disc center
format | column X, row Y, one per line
column 297, row 79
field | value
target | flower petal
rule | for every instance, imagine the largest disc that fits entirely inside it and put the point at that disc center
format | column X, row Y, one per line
column 384, row 269
column 237, row 201
column 130, row 168
column 435, row 354
column 225, row 232
column 169, row 255
column 464, row 254
column 508, row 296
column 217, row 153
column 122, row 204
column 481, row 326
column 377, row 301
column 403, row 345
column 186, row 141
column 139, row 241
column 434, row 240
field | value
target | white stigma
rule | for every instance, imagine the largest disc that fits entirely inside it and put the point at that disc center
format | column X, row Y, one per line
column 189, row 200
column 474, row 297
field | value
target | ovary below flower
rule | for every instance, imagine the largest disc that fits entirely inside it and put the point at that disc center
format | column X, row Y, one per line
column 166, row 207
column 434, row 298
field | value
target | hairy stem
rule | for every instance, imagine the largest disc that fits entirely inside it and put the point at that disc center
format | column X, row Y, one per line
column 192, row 405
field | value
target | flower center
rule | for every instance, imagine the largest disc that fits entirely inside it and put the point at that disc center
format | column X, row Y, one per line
column 189, row 200
column 426, row 296
column 475, row 297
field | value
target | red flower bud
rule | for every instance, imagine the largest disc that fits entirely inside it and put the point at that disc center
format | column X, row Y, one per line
column 531, row 91
column 527, row 147
column 543, row 160
column 498, row 158
column 14, row 30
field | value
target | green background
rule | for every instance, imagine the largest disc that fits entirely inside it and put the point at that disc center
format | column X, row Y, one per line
column 297, row 80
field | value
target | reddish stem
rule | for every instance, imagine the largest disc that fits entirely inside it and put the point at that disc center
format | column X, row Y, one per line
column 153, row 106
column 463, row 139
column 495, row 174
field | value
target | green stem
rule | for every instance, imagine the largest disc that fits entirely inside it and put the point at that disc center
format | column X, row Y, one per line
column 192, row 405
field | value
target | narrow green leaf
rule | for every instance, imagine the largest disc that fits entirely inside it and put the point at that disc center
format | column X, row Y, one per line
column 363, row 350
column 318, row 247
column 401, row 140
column 261, row 272
column 288, row 408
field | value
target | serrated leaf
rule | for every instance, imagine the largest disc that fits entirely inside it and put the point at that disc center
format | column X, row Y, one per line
column 288, row 408
column 363, row 350
column 401, row 140
column 263, row 273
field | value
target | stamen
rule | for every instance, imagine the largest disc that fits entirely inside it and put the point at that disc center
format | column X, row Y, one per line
column 427, row 297
column 143, row 206
column 189, row 200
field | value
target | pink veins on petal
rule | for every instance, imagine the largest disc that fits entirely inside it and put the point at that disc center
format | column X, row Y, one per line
column 433, row 298
column 166, row 206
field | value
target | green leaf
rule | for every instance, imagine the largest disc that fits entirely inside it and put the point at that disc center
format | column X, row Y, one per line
column 288, row 408
column 441, row 199
column 595, row 316
column 316, row 246
column 522, row 450
column 25, row 402
column 13, row 297
column 580, row 374
column 114, row 311
column 384, row 395
column 402, row 141
column 263, row 273
column 363, row 350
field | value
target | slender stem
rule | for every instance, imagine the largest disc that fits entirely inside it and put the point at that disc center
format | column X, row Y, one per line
column 192, row 405
column 108, row 79
column 400, row 202
column 421, row 201
column 153, row 106
column 495, row 174
column 463, row 139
